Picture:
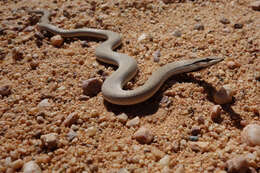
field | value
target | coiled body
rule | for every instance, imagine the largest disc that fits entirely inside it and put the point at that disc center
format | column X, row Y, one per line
column 112, row 88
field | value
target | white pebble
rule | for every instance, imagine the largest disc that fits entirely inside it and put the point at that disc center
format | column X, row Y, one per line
column 251, row 134
column 122, row 118
column 133, row 122
column 91, row 131
column 44, row 103
column 165, row 161
column 31, row 167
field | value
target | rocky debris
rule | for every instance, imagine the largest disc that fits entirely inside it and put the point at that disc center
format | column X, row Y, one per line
column 57, row 40
column 177, row 33
column 50, row 141
column 5, row 90
column 71, row 119
column 165, row 161
column 255, row 5
column 199, row 27
column 133, row 122
column 224, row 20
column 215, row 113
column 238, row 25
column 31, row 167
column 179, row 168
column 92, row 87
column 238, row 165
column 122, row 118
column 224, row 95
column 144, row 135
column 44, row 103
column 17, row 54
column 123, row 170
column 156, row 56
column 71, row 135
column 199, row 146
column 144, row 37
column 251, row 134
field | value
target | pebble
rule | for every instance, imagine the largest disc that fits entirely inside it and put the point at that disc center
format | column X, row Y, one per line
column 251, row 134
column 238, row 25
column 144, row 37
column 50, row 140
column 158, row 154
column 165, row 161
column 215, row 113
column 71, row 119
column 34, row 65
column 57, row 40
column 201, row 120
column 224, row 95
column 156, row 56
column 232, row 65
column 17, row 164
column 133, row 122
column 92, row 87
column 91, row 131
column 144, row 135
column 224, row 21
column 17, row 54
column 177, row 33
column 44, row 103
column 195, row 130
column 199, row 146
column 199, row 27
column 31, row 167
column 71, row 135
column 237, row 164
column 193, row 138
column 123, row 170
column 255, row 5
column 5, row 90
column 122, row 118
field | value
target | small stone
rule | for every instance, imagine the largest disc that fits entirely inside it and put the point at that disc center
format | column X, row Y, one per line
column 237, row 165
column 71, row 119
column 251, row 134
column 17, row 164
column 71, row 135
column 50, row 140
column 57, row 40
column 195, row 130
column 31, row 167
column 224, row 21
column 156, row 56
column 215, row 113
column 44, row 103
column 5, row 90
column 83, row 98
column 238, row 25
column 177, row 33
column 193, row 138
column 199, row 146
column 144, row 37
column 133, row 122
column 144, row 135
column 122, row 118
column 165, row 161
column 224, row 95
column 17, row 54
column 179, row 168
column 199, row 27
column 232, row 65
column 158, row 154
column 201, row 120
column 255, row 5
column 84, row 43
column 92, row 87
column 91, row 131
column 34, row 65
column 40, row 119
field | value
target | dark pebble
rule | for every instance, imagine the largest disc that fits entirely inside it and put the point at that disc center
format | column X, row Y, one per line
column 92, row 87
column 224, row 21
column 5, row 90
column 199, row 27
column 238, row 25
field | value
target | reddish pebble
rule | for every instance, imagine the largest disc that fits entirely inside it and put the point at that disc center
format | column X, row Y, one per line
column 215, row 113
column 255, row 5
column 5, row 90
column 92, row 87
column 144, row 135
column 57, row 40
column 237, row 165
column 224, row 95
column 50, row 140
column 71, row 119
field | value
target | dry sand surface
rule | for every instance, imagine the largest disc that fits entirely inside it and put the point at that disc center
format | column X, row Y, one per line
column 49, row 124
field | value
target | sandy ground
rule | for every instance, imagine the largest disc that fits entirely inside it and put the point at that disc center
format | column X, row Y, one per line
column 88, row 134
